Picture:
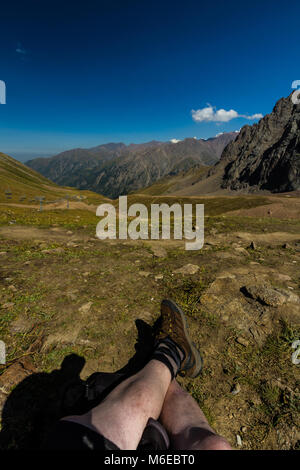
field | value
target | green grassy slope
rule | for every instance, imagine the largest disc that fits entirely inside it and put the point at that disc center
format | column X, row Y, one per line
column 25, row 185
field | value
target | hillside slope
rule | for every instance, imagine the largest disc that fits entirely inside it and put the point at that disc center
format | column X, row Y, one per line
column 20, row 184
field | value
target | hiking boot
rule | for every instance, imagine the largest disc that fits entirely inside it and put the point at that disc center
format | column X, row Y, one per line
column 173, row 336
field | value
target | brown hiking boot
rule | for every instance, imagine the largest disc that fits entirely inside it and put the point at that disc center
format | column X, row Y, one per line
column 174, row 326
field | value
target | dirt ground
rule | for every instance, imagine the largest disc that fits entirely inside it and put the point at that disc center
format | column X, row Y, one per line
column 284, row 207
column 65, row 292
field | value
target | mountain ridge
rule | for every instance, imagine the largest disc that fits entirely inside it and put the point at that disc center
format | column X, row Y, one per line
column 114, row 169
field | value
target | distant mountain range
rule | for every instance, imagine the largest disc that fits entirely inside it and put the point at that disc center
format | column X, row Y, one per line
column 263, row 157
column 115, row 168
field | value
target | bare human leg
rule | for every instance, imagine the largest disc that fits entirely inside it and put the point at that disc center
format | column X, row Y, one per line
column 123, row 415
column 186, row 424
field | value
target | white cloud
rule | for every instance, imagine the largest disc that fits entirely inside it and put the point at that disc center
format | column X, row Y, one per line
column 253, row 116
column 211, row 114
column 175, row 141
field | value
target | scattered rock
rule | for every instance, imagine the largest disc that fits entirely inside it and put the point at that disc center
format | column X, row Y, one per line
column 243, row 429
column 7, row 305
column 12, row 288
column 72, row 295
column 69, row 232
column 242, row 341
column 211, row 244
column 86, row 307
column 187, row 269
column 289, row 296
column 159, row 251
column 226, row 275
column 265, row 294
column 21, row 325
column 283, row 277
column 239, row 440
column 252, row 246
column 225, row 255
column 144, row 273
column 242, row 251
column 286, row 245
column 235, row 389
column 3, row 253
column 158, row 277
column 58, row 250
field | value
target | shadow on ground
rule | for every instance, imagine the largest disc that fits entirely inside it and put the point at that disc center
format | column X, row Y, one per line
column 38, row 401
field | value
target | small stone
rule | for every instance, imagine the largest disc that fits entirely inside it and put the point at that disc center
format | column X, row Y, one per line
column 266, row 295
column 286, row 245
column 12, row 288
column 86, row 307
column 235, row 389
column 20, row 325
column 239, row 440
column 243, row 429
column 226, row 276
column 252, row 246
column 158, row 277
column 242, row 251
column 3, row 253
column 27, row 263
column 242, row 341
column 86, row 274
column 69, row 232
column 8, row 279
column 144, row 273
column 7, row 305
column 283, row 277
column 59, row 250
column 159, row 251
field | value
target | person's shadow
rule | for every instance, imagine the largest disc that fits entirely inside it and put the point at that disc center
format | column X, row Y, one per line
column 36, row 403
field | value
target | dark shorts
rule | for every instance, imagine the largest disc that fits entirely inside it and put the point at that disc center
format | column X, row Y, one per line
column 67, row 435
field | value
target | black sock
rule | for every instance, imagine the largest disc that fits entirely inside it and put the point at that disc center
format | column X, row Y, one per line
column 170, row 354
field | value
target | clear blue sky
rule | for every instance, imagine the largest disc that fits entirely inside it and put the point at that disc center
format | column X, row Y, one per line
column 80, row 74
